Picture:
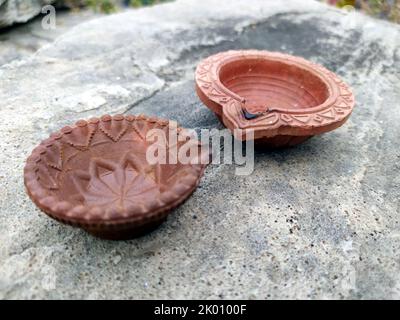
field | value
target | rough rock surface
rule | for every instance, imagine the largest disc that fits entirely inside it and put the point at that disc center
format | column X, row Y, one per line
column 320, row 220
column 19, row 11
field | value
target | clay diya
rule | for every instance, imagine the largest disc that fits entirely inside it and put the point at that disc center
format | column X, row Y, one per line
column 95, row 175
column 283, row 99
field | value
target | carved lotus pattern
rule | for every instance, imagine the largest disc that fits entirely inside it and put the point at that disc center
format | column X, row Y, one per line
column 118, row 185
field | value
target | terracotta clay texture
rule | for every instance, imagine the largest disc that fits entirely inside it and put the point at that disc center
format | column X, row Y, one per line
column 284, row 99
column 95, row 175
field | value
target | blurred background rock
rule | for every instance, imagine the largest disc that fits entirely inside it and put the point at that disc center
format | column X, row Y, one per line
column 21, row 11
column 19, row 39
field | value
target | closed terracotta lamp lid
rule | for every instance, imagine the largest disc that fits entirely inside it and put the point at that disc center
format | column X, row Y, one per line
column 95, row 175
column 284, row 99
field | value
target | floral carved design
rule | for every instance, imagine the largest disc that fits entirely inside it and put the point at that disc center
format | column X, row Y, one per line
column 113, row 128
column 116, row 185
column 81, row 137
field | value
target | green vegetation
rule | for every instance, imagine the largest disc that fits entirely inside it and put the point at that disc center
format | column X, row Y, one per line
column 109, row 6
column 384, row 9
column 139, row 3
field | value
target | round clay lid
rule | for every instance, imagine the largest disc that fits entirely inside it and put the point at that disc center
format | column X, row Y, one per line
column 96, row 175
column 273, row 94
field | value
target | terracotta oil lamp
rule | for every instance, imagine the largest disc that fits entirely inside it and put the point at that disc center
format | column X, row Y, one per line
column 95, row 175
column 283, row 99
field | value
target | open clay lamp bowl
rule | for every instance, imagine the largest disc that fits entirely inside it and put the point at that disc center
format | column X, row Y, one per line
column 283, row 99
column 95, row 175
